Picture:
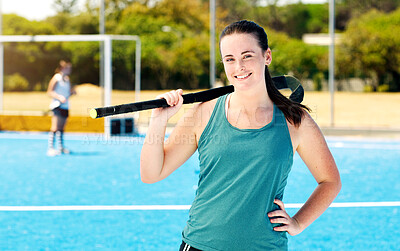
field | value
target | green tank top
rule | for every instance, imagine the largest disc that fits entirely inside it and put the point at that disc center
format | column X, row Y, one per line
column 242, row 171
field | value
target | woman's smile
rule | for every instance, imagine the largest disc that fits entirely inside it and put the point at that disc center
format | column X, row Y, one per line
column 243, row 76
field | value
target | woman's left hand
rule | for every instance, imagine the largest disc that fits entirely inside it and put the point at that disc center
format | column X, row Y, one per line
column 289, row 224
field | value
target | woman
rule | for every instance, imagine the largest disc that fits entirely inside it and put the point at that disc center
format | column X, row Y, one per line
column 246, row 141
column 60, row 90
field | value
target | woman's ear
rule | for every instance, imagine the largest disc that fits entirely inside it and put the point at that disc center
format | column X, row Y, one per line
column 268, row 57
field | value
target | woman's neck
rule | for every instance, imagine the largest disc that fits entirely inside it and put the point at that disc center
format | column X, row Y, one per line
column 251, row 99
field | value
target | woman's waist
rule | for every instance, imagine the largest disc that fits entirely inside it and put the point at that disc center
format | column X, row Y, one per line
column 224, row 228
column 222, row 210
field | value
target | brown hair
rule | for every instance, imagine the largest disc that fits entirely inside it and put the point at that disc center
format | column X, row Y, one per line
column 61, row 65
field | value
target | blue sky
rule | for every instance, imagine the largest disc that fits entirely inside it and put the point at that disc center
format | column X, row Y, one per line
column 40, row 9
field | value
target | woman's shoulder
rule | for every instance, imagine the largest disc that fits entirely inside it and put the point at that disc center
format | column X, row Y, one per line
column 206, row 106
column 307, row 129
column 307, row 122
column 198, row 116
column 57, row 76
column 204, row 110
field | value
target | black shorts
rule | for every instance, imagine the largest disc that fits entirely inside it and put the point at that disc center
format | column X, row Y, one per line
column 186, row 247
column 61, row 112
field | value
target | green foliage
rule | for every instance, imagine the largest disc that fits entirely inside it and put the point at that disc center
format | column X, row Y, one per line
column 29, row 59
column 360, row 7
column 39, row 87
column 383, row 88
column 317, row 81
column 16, row 25
column 189, row 13
column 368, row 88
column 175, row 41
column 84, row 57
column 346, row 10
column 175, row 57
column 319, row 18
column 192, row 57
column 294, row 19
column 237, row 9
column 371, row 48
column 15, row 83
column 294, row 57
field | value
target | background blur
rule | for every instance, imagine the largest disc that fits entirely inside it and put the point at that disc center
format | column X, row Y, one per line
column 175, row 38
column 175, row 49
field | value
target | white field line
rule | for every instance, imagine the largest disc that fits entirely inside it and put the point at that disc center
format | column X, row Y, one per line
column 93, row 138
column 173, row 207
column 353, row 204
column 95, row 208
column 367, row 146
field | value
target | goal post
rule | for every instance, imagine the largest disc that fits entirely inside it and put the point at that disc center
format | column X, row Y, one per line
column 107, row 50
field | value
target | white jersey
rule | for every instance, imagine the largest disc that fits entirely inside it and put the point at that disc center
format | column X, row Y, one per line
column 62, row 87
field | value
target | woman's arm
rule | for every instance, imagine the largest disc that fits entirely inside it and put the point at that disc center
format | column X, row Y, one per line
column 160, row 158
column 315, row 153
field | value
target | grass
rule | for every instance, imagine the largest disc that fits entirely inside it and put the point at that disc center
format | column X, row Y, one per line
column 371, row 110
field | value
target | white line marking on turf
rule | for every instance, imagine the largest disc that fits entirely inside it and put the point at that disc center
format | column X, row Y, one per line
column 352, row 204
column 366, row 146
column 94, row 208
column 174, row 207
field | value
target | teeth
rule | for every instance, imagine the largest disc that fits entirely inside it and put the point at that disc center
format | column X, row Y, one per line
column 242, row 77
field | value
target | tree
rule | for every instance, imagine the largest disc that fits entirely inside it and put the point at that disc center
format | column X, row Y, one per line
column 292, row 56
column 295, row 19
column 348, row 9
column 371, row 46
column 173, row 57
column 189, row 13
column 30, row 60
column 362, row 6
column 270, row 15
column 237, row 9
column 179, row 56
column 65, row 6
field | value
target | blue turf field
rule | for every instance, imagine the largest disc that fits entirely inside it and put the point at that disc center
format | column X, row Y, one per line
column 103, row 172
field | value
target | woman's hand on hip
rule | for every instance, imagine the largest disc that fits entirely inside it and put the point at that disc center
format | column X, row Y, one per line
column 289, row 224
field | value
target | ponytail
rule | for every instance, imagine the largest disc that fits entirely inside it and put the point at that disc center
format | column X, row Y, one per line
column 292, row 110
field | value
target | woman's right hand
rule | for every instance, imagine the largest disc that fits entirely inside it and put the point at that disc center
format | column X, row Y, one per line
column 174, row 100
column 62, row 99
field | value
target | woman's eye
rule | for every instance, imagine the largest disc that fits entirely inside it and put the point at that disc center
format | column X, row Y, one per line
column 247, row 56
column 229, row 60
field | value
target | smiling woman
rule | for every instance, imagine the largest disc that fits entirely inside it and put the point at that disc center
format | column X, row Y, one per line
column 246, row 141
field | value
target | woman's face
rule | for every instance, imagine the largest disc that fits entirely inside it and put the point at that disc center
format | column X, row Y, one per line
column 66, row 70
column 244, row 60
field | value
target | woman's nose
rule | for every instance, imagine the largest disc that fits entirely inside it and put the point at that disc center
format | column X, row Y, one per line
column 240, row 65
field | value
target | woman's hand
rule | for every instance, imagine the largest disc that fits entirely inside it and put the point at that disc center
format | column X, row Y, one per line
column 174, row 100
column 290, row 224
column 62, row 99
